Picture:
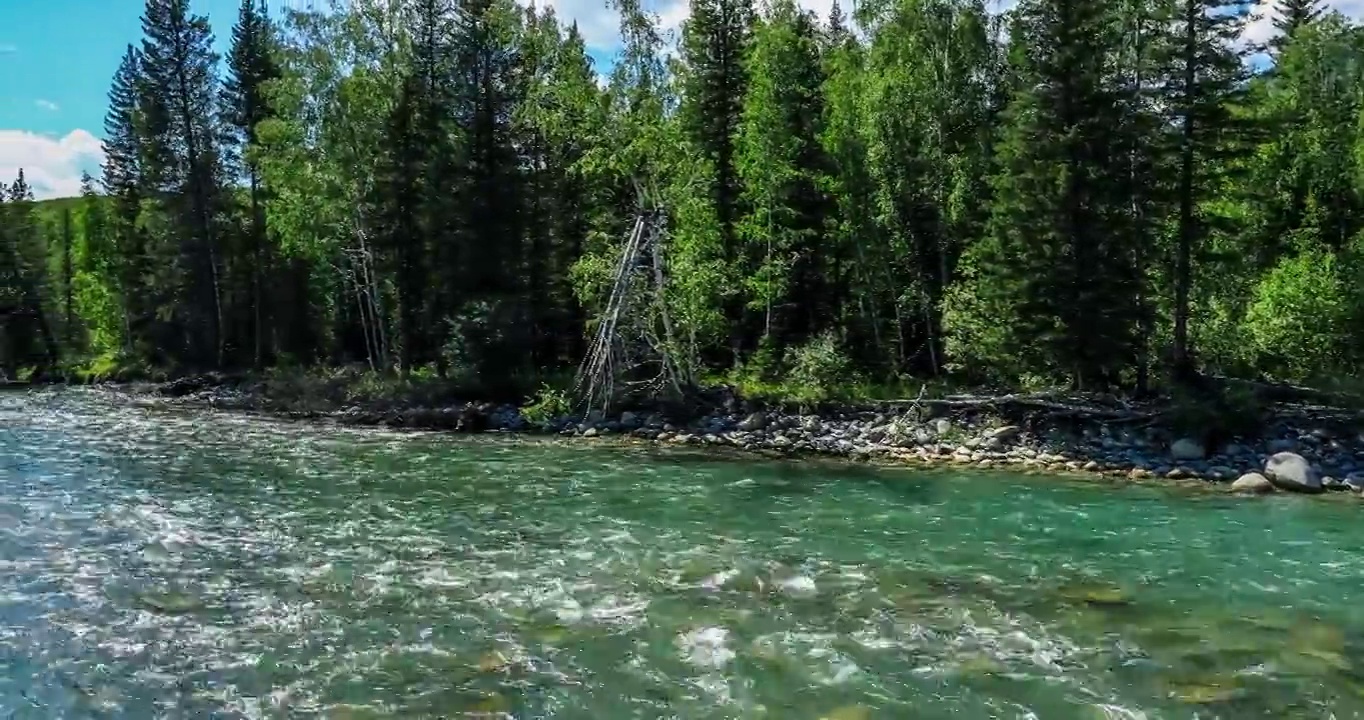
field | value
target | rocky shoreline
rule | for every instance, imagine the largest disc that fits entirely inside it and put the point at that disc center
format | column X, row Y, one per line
column 1288, row 455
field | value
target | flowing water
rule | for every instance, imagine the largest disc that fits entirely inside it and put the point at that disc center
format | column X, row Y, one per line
column 158, row 563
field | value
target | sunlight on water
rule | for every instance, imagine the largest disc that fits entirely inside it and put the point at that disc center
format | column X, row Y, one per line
column 176, row 564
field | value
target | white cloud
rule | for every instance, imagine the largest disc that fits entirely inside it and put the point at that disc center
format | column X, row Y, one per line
column 52, row 166
column 1261, row 28
column 47, row 105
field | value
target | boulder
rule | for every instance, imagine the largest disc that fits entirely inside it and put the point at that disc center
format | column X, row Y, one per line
column 1291, row 471
column 1252, row 483
column 1186, row 449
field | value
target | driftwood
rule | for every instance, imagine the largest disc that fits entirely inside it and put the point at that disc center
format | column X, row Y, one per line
column 1051, row 403
column 1060, row 404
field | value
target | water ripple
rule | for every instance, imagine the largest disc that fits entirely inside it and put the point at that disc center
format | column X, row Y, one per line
column 172, row 563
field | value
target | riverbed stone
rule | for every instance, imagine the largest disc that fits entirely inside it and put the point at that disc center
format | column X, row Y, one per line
column 1185, row 449
column 1252, row 483
column 1219, row 472
column 1281, row 445
column 755, row 421
column 1291, row 471
column 1006, row 433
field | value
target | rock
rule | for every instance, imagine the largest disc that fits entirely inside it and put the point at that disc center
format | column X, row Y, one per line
column 591, row 432
column 629, row 420
column 755, row 421
column 1186, row 449
column 1252, row 483
column 1290, row 471
column 1355, row 482
column 942, row 426
column 1281, row 445
column 1220, row 472
column 1006, row 433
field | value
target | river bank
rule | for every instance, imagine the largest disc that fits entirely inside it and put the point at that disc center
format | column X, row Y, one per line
column 1293, row 450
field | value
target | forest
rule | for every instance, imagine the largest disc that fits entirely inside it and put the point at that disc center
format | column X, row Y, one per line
column 1097, row 194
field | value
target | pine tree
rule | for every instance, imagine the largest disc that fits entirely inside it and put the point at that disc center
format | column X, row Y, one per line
column 250, row 66
column 1293, row 16
column 433, row 251
column 490, row 193
column 398, row 196
column 23, row 268
column 178, row 64
column 1206, row 76
column 1052, row 289
column 124, row 182
column 715, row 40
column 568, row 119
column 854, row 244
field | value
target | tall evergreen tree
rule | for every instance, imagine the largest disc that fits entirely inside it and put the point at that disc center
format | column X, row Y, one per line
column 1206, row 77
column 250, row 66
column 23, row 270
column 1293, row 16
column 715, row 40
column 125, row 183
column 179, row 70
column 398, row 195
column 1051, row 290
column 490, row 193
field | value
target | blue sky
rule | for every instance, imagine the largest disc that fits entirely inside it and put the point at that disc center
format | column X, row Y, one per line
column 57, row 57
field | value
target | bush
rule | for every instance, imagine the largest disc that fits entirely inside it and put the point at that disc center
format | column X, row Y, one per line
column 820, row 368
column 546, row 405
column 1297, row 319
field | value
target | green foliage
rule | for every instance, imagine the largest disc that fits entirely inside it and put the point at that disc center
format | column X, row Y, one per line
column 820, row 367
column 1298, row 319
column 1068, row 192
column 546, row 405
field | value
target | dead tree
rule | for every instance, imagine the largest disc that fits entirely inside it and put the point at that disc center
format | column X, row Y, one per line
column 634, row 350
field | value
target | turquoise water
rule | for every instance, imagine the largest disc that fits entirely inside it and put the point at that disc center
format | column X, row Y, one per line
column 195, row 565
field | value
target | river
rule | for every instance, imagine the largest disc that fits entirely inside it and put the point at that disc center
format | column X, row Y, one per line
column 177, row 564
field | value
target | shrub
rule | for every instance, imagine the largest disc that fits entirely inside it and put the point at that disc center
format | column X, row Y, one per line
column 820, row 368
column 1298, row 316
column 546, row 405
